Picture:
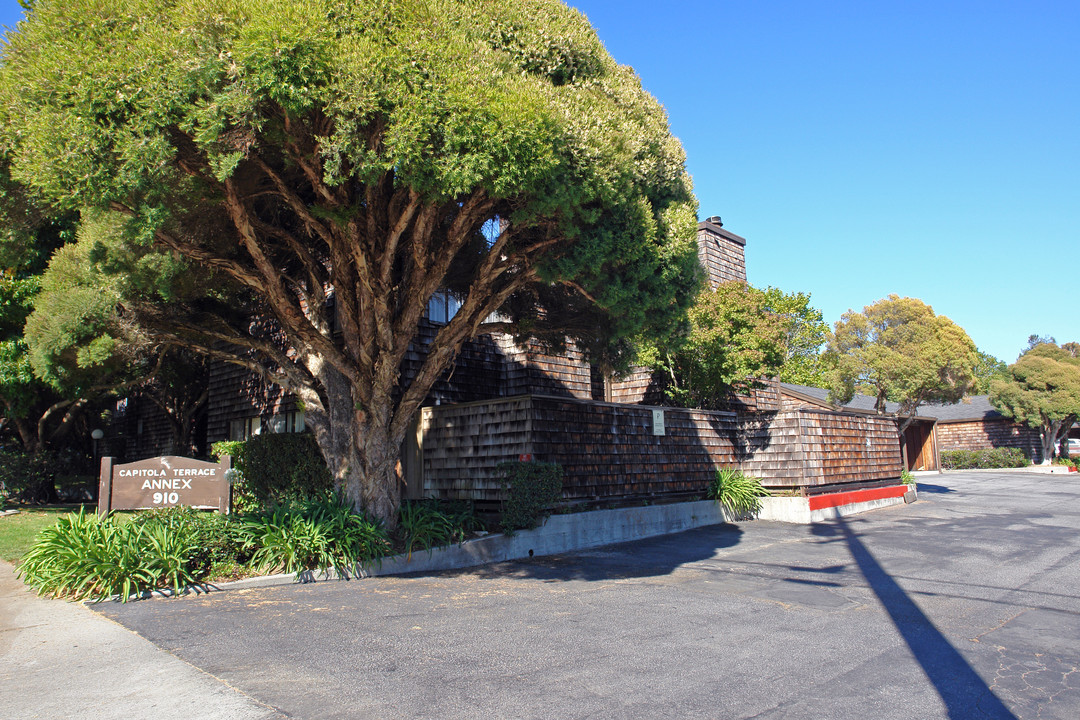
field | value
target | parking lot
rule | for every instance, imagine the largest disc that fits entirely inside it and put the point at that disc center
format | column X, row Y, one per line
column 961, row 605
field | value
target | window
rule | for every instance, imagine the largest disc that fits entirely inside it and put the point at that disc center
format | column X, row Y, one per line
column 442, row 307
column 291, row 422
column 243, row 428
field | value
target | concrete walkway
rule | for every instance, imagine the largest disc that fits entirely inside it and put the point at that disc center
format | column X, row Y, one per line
column 59, row 660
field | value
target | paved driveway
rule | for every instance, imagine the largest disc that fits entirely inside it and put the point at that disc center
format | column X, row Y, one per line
column 962, row 605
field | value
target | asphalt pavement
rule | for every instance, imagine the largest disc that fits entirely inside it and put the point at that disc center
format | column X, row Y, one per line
column 961, row 605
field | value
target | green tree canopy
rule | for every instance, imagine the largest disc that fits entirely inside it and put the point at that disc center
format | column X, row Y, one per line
column 1042, row 392
column 28, row 235
column 804, row 341
column 988, row 368
column 330, row 165
column 897, row 349
column 734, row 339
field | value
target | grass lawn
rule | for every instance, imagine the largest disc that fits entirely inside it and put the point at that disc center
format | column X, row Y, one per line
column 18, row 532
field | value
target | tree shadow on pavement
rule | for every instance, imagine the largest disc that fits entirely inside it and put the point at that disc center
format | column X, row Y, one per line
column 937, row 489
column 651, row 557
column 964, row 692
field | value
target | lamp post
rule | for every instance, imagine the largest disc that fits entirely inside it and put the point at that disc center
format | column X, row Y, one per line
column 95, row 435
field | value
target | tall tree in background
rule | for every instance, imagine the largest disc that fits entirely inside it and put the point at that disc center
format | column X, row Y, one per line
column 734, row 338
column 35, row 412
column 897, row 349
column 805, row 362
column 1034, row 340
column 1042, row 392
column 331, row 165
column 987, row 369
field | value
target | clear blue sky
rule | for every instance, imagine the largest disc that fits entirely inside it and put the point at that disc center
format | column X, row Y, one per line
column 928, row 149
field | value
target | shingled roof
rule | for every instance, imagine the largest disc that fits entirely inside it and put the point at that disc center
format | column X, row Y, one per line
column 862, row 403
column 975, row 407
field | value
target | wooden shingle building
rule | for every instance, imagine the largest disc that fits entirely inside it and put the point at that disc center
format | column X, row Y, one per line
column 612, row 436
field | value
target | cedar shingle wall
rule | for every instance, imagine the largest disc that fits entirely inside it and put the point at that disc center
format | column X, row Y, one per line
column 841, row 448
column 236, row 393
column 986, row 434
column 608, row 451
column 643, row 386
column 125, row 440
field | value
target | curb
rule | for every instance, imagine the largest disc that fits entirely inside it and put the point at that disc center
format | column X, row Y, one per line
column 558, row 534
column 809, row 510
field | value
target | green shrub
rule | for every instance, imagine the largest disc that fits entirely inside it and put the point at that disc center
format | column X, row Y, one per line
column 528, row 491
column 432, row 523
column 314, row 535
column 739, row 493
column 275, row 469
column 907, row 478
column 87, row 556
column 983, row 459
column 33, row 478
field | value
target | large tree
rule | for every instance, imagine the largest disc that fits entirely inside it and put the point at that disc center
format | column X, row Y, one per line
column 1043, row 392
column 733, row 339
column 37, row 413
column 897, row 349
column 805, row 362
column 987, row 369
column 327, row 166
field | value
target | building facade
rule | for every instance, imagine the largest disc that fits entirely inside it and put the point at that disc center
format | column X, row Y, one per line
column 504, row 401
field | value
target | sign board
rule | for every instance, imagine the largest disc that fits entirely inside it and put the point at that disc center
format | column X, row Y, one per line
column 658, row 422
column 164, row 482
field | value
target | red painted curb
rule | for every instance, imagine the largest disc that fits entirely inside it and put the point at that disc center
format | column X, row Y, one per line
column 819, row 502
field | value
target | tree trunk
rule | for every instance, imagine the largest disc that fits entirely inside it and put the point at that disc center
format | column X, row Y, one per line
column 358, row 447
column 1046, row 435
column 27, row 435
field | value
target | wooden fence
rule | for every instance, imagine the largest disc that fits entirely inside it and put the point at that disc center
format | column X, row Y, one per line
column 611, row 452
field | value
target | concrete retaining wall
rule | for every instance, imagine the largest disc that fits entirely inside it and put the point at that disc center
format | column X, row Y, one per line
column 563, row 533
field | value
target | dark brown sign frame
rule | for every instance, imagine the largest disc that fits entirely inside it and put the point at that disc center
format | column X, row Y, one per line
column 166, row 481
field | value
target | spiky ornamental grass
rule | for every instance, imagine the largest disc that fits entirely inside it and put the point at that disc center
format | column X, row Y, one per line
column 432, row 523
column 85, row 556
column 314, row 535
column 738, row 492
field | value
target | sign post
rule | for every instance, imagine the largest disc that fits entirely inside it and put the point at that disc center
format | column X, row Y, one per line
column 166, row 481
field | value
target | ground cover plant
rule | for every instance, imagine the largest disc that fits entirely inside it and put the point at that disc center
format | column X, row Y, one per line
column 85, row 555
column 315, row 534
column 737, row 492
column 425, row 524
column 81, row 555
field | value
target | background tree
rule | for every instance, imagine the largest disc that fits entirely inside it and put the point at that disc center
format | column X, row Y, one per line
column 804, row 341
column 331, row 165
column 733, row 339
column 1042, row 392
column 897, row 349
column 1034, row 340
column 35, row 412
column 987, row 369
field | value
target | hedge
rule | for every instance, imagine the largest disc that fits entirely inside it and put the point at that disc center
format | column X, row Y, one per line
column 275, row 468
column 1002, row 457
